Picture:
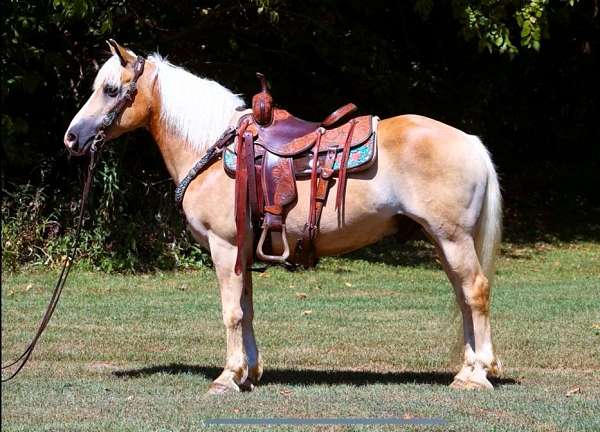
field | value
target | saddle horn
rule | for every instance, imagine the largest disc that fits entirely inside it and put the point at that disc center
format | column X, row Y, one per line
column 262, row 103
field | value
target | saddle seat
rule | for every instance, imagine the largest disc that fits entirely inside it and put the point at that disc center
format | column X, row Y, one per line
column 273, row 149
column 287, row 135
column 283, row 135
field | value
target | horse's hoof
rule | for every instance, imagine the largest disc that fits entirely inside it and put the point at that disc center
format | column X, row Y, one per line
column 217, row 388
column 471, row 384
column 480, row 383
column 458, row 384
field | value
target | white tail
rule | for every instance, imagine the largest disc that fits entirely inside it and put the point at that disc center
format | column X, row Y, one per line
column 489, row 227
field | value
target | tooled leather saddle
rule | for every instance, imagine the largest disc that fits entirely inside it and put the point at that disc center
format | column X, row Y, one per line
column 271, row 151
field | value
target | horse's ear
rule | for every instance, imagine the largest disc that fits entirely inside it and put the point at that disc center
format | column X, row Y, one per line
column 125, row 56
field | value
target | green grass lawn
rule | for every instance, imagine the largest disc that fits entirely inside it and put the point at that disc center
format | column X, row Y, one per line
column 368, row 336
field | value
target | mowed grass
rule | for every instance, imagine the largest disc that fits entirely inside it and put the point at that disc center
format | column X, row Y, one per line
column 361, row 337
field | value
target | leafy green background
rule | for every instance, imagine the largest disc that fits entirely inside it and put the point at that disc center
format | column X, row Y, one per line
column 523, row 75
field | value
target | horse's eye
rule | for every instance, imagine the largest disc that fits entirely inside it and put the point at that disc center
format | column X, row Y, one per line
column 111, row 90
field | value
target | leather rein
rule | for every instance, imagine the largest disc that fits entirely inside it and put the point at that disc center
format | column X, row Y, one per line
column 95, row 150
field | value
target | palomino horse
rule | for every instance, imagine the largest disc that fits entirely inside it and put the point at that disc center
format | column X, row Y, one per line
column 437, row 175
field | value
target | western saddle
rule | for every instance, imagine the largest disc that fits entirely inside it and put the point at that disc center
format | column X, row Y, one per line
column 272, row 149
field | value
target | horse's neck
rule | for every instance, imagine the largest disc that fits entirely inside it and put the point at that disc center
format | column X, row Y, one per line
column 179, row 156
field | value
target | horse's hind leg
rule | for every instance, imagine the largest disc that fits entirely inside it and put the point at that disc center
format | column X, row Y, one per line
column 473, row 297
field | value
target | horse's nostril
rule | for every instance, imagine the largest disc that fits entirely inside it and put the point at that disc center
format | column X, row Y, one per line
column 71, row 140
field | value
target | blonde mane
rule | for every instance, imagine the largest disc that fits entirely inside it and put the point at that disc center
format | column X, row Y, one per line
column 196, row 109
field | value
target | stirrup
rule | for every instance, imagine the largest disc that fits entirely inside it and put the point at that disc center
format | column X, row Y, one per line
column 282, row 259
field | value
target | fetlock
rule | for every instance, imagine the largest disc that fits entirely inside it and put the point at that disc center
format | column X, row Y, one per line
column 496, row 368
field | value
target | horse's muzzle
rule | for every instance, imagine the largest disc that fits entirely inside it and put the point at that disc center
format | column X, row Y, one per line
column 79, row 149
column 79, row 137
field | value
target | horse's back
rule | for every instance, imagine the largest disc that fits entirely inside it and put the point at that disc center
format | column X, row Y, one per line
column 409, row 128
column 428, row 145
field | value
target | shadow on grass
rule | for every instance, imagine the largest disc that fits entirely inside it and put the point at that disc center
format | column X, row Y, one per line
column 311, row 376
column 409, row 247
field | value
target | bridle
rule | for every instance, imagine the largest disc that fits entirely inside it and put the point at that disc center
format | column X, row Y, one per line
column 109, row 118
column 94, row 150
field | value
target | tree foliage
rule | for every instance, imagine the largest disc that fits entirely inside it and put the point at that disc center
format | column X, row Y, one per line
column 522, row 74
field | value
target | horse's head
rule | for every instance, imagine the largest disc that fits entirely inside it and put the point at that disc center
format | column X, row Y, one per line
column 108, row 110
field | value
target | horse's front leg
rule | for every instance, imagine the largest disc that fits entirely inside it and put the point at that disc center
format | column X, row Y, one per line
column 243, row 366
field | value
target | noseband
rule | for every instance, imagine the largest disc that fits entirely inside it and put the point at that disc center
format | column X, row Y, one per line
column 99, row 139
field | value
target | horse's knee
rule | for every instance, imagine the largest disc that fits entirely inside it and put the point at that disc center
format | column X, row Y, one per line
column 478, row 295
column 233, row 317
